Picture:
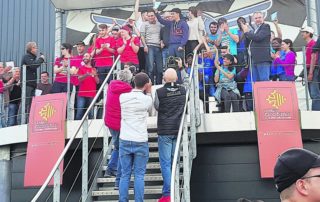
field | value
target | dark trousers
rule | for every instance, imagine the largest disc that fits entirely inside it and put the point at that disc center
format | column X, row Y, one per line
column 229, row 97
column 30, row 92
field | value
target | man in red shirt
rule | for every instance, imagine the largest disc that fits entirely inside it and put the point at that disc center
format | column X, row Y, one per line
column 88, row 80
column 312, row 67
column 105, row 49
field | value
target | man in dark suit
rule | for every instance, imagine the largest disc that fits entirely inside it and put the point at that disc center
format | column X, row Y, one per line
column 259, row 47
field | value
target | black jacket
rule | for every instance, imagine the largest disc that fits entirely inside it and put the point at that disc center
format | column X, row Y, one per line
column 260, row 44
column 170, row 101
column 32, row 64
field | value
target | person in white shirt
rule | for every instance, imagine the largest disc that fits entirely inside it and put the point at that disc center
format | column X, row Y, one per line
column 133, row 148
column 196, row 29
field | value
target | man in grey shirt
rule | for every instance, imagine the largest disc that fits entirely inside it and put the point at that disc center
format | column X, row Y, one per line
column 150, row 37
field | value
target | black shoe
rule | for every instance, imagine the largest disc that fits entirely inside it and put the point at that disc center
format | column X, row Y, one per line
column 110, row 173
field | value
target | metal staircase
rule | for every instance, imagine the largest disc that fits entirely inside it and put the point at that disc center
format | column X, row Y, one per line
column 153, row 180
column 95, row 187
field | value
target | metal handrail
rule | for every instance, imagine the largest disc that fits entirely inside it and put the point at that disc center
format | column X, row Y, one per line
column 181, row 128
column 55, row 167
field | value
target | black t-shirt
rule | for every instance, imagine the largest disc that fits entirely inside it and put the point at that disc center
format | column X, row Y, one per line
column 15, row 93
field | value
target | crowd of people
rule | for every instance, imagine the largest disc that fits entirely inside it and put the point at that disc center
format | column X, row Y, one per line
column 158, row 48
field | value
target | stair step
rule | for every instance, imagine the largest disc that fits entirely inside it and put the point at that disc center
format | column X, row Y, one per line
column 145, row 200
column 152, row 188
column 151, row 165
column 131, row 192
column 147, row 177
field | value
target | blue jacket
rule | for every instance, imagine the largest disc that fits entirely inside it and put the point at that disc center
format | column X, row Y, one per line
column 179, row 31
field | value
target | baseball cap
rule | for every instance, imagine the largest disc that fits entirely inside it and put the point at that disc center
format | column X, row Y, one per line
column 307, row 29
column 176, row 10
column 229, row 57
column 292, row 165
column 127, row 28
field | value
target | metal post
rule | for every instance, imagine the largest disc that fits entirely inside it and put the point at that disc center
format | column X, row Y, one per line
column 85, row 160
column 192, row 120
column 58, row 32
column 306, row 87
column 68, row 91
column 177, row 182
column 23, row 94
column 105, row 140
column 196, row 91
column 56, row 186
column 186, row 164
column 5, row 174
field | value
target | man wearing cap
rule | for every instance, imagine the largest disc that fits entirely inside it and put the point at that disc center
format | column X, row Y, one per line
column 297, row 176
column 312, row 52
column 179, row 32
column 133, row 143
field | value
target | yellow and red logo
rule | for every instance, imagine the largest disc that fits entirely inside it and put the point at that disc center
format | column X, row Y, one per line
column 47, row 112
column 276, row 100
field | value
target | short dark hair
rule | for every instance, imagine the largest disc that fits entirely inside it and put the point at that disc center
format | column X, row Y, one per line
column 45, row 72
column 213, row 23
column 194, row 11
column 141, row 79
column 150, row 10
column 144, row 11
column 103, row 26
column 224, row 47
column 222, row 20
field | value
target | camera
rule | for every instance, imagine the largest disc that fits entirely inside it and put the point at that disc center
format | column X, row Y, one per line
column 172, row 62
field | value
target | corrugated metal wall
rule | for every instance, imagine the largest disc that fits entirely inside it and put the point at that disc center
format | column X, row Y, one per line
column 22, row 21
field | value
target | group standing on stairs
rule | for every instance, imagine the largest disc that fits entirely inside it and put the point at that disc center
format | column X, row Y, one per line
column 126, row 117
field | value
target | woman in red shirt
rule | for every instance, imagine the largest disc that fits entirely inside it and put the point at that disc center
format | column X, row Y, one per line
column 128, row 47
column 60, row 83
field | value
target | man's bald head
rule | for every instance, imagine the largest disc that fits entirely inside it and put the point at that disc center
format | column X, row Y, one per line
column 170, row 75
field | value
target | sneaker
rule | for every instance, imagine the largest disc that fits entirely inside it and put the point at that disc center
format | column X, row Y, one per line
column 110, row 173
column 164, row 199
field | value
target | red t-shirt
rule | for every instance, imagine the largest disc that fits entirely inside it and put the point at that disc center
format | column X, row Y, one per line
column 1, row 88
column 104, row 59
column 77, row 61
column 128, row 55
column 62, row 76
column 88, row 86
column 116, row 46
column 309, row 52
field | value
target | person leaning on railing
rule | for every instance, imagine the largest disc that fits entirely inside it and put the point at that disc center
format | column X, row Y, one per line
column 13, row 86
column 32, row 64
column 169, row 101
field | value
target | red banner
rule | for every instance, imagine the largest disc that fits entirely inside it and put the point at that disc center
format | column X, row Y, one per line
column 46, row 137
column 278, row 122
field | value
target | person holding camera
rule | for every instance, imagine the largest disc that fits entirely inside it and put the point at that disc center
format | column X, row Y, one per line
column 32, row 63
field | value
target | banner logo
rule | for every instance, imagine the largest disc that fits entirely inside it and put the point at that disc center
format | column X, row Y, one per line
column 47, row 112
column 276, row 100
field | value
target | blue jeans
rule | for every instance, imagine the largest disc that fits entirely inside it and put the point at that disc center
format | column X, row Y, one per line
column 82, row 104
column 102, row 74
column 314, row 90
column 59, row 87
column 261, row 71
column 284, row 77
column 167, row 145
column 12, row 114
column 1, row 111
column 173, row 51
column 165, row 55
column 136, row 155
column 114, row 160
column 154, row 64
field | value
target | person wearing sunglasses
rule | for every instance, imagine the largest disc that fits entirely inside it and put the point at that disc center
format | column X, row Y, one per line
column 297, row 176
